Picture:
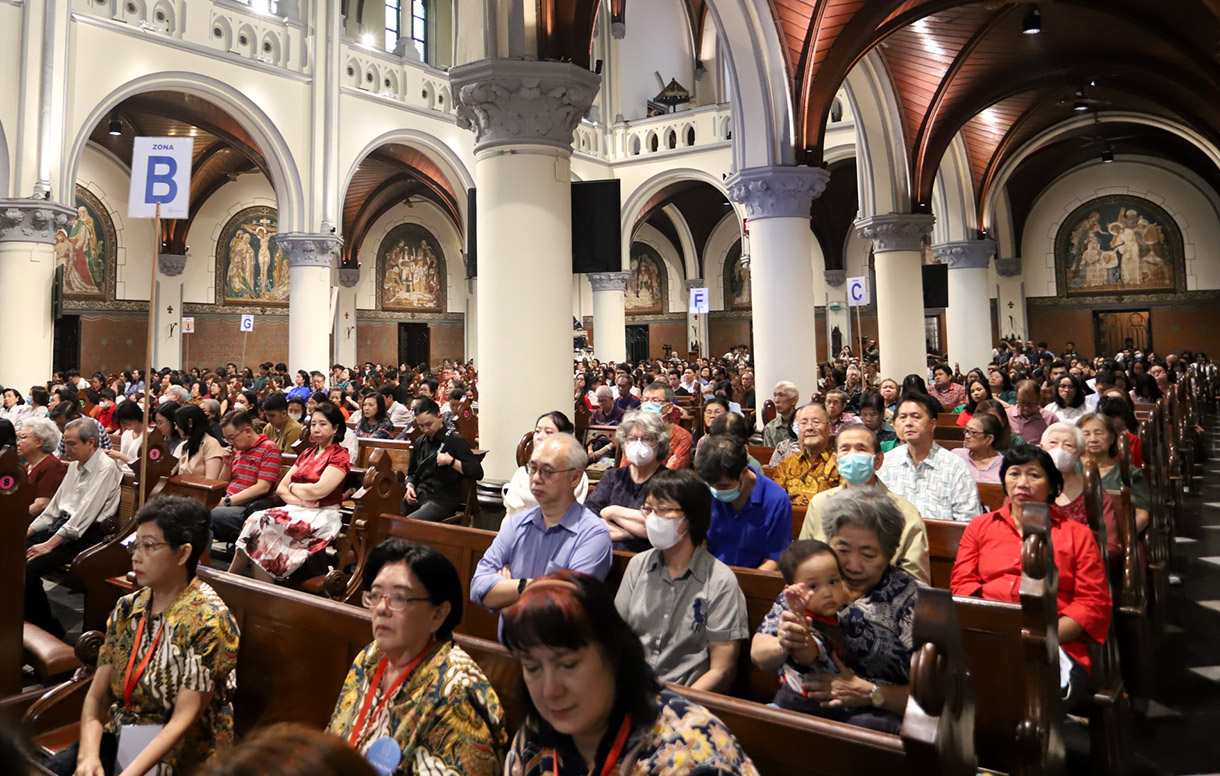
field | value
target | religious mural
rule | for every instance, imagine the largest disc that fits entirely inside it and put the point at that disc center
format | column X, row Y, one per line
column 646, row 283
column 251, row 268
column 87, row 248
column 412, row 268
column 1118, row 244
column 736, row 281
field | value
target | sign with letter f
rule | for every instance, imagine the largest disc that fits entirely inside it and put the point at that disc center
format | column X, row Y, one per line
column 161, row 174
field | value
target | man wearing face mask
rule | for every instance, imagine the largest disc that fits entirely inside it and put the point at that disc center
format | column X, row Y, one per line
column 859, row 456
column 686, row 606
column 810, row 470
column 751, row 517
column 280, row 428
column 659, row 400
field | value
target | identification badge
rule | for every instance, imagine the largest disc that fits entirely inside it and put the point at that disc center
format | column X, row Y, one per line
column 384, row 755
column 134, row 739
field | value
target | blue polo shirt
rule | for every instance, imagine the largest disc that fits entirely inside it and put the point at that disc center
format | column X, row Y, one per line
column 761, row 531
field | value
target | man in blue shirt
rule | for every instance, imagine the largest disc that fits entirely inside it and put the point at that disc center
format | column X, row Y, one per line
column 751, row 515
column 557, row 534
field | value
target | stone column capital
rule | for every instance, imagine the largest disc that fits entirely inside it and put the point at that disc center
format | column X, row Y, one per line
column 310, row 250
column 1008, row 268
column 32, row 220
column 777, row 192
column 897, row 231
column 349, row 277
column 967, row 254
column 513, row 102
column 695, row 283
column 171, row 264
column 836, row 277
column 609, row 281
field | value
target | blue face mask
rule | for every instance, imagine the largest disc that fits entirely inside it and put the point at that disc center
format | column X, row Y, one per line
column 725, row 495
column 856, row 468
column 652, row 407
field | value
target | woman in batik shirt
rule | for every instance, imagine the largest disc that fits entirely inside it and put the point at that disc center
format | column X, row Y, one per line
column 161, row 697
column 594, row 704
column 414, row 702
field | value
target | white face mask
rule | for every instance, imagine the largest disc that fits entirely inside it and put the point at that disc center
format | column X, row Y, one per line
column 239, row 405
column 640, row 453
column 662, row 532
column 1064, row 461
column 295, row 415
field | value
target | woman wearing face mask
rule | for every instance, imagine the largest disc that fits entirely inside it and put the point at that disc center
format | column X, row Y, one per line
column 1064, row 443
column 978, row 447
column 517, row 495
column 164, row 422
column 644, row 440
column 694, row 636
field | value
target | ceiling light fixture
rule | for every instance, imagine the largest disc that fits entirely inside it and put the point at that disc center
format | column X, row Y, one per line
column 1032, row 25
column 1107, row 155
column 115, row 128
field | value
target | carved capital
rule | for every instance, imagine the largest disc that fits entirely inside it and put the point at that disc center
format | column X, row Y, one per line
column 171, row 264
column 967, row 254
column 513, row 102
column 836, row 277
column 695, row 283
column 349, row 277
column 609, row 281
column 32, row 220
column 618, row 30
column 777, row 192
column 1008, row 268
column 310, row 250
column 896, row 232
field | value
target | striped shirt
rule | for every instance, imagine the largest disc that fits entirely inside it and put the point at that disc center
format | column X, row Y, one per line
column 260, row 463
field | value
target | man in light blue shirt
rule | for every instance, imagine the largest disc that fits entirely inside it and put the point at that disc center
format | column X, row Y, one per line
column 557, row 534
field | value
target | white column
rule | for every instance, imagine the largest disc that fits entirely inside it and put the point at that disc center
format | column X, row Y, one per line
column 1010, row 298
column 897, row 252
column 609, row 315
column 697, row 325
column 27, row 272
column 472, row 321
column 312, row 259
column 777, row 202
column 167, row 314
column 838, row 314
column 968, row 318
column 523, row 114
column 345, row 317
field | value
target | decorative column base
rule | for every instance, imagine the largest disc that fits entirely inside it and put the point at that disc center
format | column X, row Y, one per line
column 610, row 315
column 969, row 314
column 897, row 248
column 312, row 259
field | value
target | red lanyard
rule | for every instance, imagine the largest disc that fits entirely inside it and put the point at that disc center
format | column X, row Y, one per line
column 358, row 728
column 131, row 680
column 611, row 757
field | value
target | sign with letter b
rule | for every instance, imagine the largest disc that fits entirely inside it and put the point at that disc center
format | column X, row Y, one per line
column 161, row 173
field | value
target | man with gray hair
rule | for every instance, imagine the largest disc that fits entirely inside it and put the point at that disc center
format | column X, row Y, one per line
column 88, row 494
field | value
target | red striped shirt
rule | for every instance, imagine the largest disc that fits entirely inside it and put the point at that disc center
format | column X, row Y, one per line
column 260, row 462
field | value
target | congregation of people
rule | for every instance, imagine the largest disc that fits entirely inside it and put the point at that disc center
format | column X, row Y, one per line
column 689, row 496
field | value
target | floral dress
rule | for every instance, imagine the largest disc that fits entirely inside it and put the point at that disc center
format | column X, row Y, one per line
column 282, row 538
column 197, row 651
column 685, row 740
column 446, row 717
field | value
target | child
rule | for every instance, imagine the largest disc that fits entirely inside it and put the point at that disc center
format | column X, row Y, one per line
column 814, row 589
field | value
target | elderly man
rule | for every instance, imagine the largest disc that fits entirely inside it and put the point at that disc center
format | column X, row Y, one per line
column 859, row 455
column 64, row 413
column 812, row 469
column 560, row 533
column 659, row 399
column 88, row 494
column 785, row 396
column 1028, row 418
column 255, row 462
column 937, row 482
column 837, row 401
column 748, row 400
column 607, row 412
column 751, row 515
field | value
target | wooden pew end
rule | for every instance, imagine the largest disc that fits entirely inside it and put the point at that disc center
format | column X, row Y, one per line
column 50, row 657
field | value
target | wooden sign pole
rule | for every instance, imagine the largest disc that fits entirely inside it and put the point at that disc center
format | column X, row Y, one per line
column 152, row 332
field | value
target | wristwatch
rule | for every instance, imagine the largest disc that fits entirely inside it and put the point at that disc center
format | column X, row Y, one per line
column 521, row 586
column 875, row 697
column 228, row 500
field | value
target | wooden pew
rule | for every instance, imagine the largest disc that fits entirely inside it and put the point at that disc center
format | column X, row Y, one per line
column 947, row 420
column 944, row 536
column 16, row 496
column 398, row 450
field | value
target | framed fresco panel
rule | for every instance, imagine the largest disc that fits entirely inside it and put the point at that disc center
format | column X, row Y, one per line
column 1119, row 244
column 412, row 270
column 737, row 291
column 87, row 249
column 250, row 267
column 646, row 281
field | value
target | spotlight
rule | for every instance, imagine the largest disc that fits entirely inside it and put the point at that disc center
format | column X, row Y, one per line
column 1080, row 106
column 1032, row 25
column 1107, row 155
column 115, row 128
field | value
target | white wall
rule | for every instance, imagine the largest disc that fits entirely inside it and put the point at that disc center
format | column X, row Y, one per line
column 432, row 218
column 658, row 39
column 109, row 179
column 199, row 277
column 1191, row 202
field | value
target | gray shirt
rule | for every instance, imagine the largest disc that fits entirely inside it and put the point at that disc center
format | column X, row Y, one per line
column 678, row 619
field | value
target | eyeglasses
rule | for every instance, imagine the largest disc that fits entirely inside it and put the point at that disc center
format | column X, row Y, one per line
column 545, row 472
column 396, row 601
column 147, row 547
column 970, row 433
column 672, row 514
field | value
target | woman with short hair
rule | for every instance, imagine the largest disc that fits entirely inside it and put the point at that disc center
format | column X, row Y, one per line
column 374, row 422
column 412, row 695
column 644, row 440
column 14, row 406
column 37, row 440
column 978, row 448
column 1065, row 444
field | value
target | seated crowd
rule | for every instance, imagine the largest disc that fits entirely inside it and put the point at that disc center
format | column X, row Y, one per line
column 862, row 463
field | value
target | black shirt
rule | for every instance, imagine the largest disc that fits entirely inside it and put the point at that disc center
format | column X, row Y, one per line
column 441, row 483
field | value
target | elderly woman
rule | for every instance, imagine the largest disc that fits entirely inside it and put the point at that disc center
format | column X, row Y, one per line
column 593, row 704
column 279, row 540
column 988, row 561
column 644, row 440
column 166, row 666
column 872, row 414
column 37, row 439
column 1065, row 444
column 978, row 447
column 1101, row 447
column 374, row 422
column 864, row 529
column 517, row 494
column 413, row 698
